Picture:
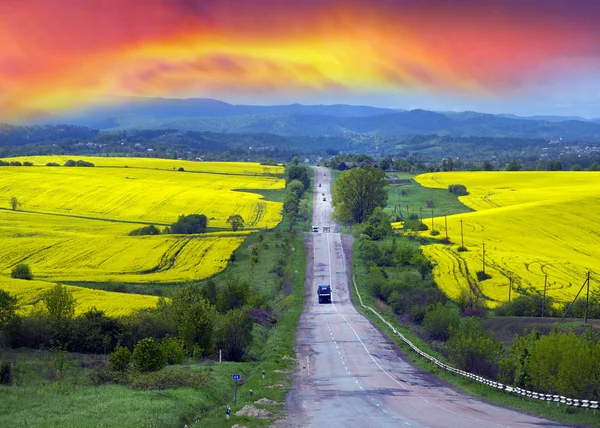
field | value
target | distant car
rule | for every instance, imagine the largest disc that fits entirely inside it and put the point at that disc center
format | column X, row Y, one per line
column 322, row 194
column 315, row 228
column 324, row 198
column 324, row 293
column 319, row 184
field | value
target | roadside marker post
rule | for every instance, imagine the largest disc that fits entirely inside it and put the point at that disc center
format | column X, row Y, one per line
column 235, row 378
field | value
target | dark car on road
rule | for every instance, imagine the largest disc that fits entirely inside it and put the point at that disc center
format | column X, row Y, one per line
column 324, row 292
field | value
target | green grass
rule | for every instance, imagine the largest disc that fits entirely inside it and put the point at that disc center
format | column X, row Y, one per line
column 562, row 413
column 412, row 198
column 39, row 401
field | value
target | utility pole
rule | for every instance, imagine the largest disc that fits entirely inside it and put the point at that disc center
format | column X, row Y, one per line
column 462, row 237
column 421, row 211
column 483, row 259
column 587, row 297
column 509, row 289
column 432, row 228
column 446, row 224
column 544, row 299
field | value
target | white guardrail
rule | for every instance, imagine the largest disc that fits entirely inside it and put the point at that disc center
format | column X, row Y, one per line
column 519, row 391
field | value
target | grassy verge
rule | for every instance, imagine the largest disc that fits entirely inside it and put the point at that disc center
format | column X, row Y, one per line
column 562, row 413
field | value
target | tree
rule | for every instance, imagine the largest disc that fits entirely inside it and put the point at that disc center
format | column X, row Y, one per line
column 119, row 360
column 148, row 356
column 488, row 166
column 514, row 165
column 234, row 334
column 21, row 271
column 94, row 332
column 8, row 307
column 60, row 304
column 196, row 327
column 358, row 192
column 189, row 224
column 236, row 221
column 295, row 186
column 14, row 203
column 554, row 165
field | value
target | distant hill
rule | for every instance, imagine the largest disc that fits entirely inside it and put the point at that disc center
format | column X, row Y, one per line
column 345, row 121
column 414, row 122
column 160, row 108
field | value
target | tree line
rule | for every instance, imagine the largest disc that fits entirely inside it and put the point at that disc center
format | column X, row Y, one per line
column 188, row 225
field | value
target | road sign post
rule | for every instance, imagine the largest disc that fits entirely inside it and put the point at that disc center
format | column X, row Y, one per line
column 235, row 378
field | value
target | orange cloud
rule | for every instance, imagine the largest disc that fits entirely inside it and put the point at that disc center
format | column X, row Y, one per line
column 59, row 55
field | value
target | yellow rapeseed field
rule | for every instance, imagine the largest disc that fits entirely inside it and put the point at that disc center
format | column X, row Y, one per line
column 533, row 224
column 140, row 194
column 29, row 294
column 240, row 168
column 73, row 222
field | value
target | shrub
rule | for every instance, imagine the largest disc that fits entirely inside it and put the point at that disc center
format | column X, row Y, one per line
column 180, row 169
column 26, row 163
column 434, row 232
column 6, row 373
column 146, row 230
column 482, row 276
column 472, row 349
column 21, row 271
column 527, row 305
column 148, row 356
column 94, row 332
column 439, row 320
column 173, row 350
column 119, row 359
column 458, row 189
column 169, row 378
column 52, row 164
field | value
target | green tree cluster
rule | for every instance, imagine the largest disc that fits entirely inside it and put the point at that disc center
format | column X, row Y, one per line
column 458, row 189
column 80, row 163
column 21, row 271
column 189, row 224
column 357, row 192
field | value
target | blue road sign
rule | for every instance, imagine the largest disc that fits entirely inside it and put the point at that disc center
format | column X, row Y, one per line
column 236, row 377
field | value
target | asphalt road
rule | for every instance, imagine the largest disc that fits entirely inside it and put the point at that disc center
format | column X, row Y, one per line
column 349, row 374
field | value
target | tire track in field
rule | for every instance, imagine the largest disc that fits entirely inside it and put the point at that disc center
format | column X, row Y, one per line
column 169, row 257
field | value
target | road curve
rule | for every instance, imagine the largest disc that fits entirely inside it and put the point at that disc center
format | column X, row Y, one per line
column 349, row 374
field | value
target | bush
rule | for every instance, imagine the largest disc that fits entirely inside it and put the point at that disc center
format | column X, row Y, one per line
column 119, row 360
column 148, row 356
column 439, row 320
column 26, row 163
column 94, row 332
column 52, row 164
column 146, row 230
column 527, row 305
column 21, row 271
column 173, row 349
column 482, row 276
column 169, row 378
column 6, row 373
column 472, row 349
column 458, row 189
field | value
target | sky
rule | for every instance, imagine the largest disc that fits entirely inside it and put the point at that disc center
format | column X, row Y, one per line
column 524, row 57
